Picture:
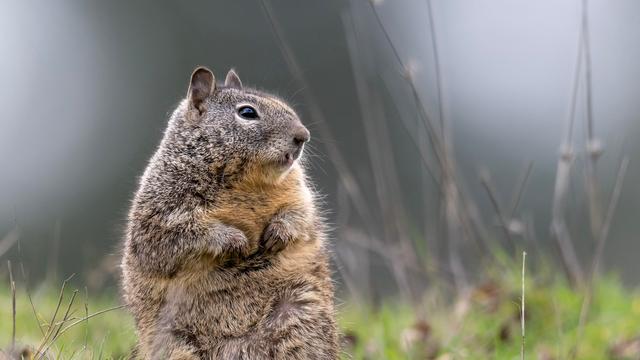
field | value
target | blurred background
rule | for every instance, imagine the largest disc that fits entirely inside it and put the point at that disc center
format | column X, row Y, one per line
column 437, row 127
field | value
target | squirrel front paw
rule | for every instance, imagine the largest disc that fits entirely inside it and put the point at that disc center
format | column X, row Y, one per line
column 230, row 240
column 276, row 236
column 280, row 232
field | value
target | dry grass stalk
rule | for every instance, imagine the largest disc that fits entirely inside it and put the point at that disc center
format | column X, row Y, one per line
column 504, row 218
column 79, row 321
column 386, row 181
column 597, row 258
column 559, row 229
column 524, row 256
column 35, row 313
column 457, row 223
column 65, row 318
column 444, row 131
column 519, row 190
column 55, row 328
column 508, row 222
column 30, row 298
column 9, row 240
column 594, row 146
column 420, row 144
column 13, row 306
column 86, row 315
column 51, row 325
column 604, row 232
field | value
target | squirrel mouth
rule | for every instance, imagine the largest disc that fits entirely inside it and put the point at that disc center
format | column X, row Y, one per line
column 289, row 158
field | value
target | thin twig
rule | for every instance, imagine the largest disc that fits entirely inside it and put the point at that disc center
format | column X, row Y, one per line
column 456, row 224
column 602, row 239
column 382, row 163
column 437, row 143
column 13, row 306
column 604, row 234
column 35, row 313
column 374, row 245
column 450, row 191
column 75, row 353
column 30, row 298
column 88, row 317
column 504, row 221
column 594, row 147
column 45, row 340
column 444, row 133
column 86, row 314
column 65, row 318
column 524, row 256
column 522, row 184
column 8, row 240
column 422, row 152
column 559, row 229
column 587, row 67
column 59, row 356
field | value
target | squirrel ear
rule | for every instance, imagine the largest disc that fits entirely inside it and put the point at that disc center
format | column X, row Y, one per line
column 232, row 80
column 203, row 83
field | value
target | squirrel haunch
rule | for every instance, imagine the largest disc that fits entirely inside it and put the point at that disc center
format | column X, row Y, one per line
column 225, row 254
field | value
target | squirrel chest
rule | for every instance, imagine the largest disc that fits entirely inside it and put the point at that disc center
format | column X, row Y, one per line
column 249, row 207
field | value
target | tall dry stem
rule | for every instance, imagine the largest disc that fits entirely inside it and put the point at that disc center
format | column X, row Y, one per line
column 559, row 228
column 12, row 283
column 458, row 225
column 524, row 256
column 597, row 258
column 593, row 145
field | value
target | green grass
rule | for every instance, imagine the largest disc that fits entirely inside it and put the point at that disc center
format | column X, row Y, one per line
column 481, row 325
column 485, row 324
column 110, row 335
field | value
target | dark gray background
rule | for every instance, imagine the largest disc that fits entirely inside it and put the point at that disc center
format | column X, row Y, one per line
column 87, row 88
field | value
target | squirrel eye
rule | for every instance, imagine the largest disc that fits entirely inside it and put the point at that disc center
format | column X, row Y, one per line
column 247, row 112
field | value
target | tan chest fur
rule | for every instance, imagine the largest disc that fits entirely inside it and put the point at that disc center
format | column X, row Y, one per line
column 249, row 206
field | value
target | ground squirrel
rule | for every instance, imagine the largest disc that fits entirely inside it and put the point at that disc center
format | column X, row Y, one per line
column 225, row 253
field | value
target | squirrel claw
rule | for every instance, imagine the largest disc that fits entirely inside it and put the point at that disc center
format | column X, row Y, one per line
column 238, row 243
column 276, row 236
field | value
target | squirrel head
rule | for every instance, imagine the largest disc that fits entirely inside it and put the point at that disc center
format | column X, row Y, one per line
column 236, row 130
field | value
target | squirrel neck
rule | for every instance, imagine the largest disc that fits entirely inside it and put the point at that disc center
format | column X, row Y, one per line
column 178, row 179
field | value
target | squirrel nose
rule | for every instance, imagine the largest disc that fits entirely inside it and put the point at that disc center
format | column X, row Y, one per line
column 301, row 135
